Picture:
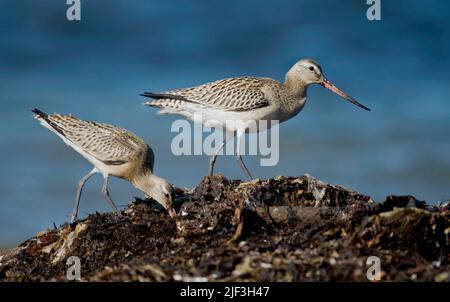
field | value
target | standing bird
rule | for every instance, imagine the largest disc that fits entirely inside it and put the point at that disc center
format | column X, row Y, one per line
column 245, row 99
column 112, row 151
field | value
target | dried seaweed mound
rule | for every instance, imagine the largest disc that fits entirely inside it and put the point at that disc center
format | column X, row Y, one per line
column 282, row 229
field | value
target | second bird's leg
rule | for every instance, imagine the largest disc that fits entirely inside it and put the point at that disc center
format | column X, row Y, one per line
column 79, row 190
column 238, row 154
column 213, row 158
column 108, row 197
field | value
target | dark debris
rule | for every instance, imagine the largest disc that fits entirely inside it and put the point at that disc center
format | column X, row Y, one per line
column 294, row 229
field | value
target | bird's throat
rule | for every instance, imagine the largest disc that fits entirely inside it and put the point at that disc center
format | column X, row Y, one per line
column 295, row 88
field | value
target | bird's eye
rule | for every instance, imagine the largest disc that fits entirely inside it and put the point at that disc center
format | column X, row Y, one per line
column 311, row 68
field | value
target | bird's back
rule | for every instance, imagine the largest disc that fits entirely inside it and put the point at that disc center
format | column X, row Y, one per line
column 108, row 144
column 231, row 94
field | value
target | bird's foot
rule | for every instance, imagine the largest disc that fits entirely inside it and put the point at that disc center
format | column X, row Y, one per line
column 73, row 219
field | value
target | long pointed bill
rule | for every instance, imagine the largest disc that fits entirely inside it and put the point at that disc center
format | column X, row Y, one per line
column 172, row 213
column 328, row 85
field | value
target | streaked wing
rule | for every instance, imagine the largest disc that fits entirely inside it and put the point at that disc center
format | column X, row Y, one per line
column 233, row 94
column 109, row 144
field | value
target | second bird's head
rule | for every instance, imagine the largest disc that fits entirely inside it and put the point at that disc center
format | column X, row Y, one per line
column 308, row 71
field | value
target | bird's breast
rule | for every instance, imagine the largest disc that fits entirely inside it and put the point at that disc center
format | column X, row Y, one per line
column 291, row 108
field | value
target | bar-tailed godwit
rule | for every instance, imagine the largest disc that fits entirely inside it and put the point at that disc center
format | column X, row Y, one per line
column 245, row 99
column 112, row 151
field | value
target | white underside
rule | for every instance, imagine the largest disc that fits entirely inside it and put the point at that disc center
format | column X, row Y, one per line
column 230, row 121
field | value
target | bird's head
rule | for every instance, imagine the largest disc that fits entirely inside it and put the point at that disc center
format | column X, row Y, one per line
column 160, row 190
column 308, row 71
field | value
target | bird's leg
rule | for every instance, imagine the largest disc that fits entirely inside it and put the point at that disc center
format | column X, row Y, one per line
column 108, row 197
column 80, row 189
column 238, row 154
column 213, row 158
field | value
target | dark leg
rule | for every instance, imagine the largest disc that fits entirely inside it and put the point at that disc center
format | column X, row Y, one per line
column 213, row 158
column 238, row 155
column 80, row 189
column 108, row 197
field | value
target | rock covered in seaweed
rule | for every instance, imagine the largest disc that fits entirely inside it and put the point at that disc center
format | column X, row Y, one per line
column 292, row 229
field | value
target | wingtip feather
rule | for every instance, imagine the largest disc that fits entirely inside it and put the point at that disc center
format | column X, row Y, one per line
column 39, row 113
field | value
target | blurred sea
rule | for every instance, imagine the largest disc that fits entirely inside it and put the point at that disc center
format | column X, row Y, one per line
column 96, row 68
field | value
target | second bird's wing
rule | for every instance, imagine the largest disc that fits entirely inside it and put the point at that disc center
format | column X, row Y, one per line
column 233, row 94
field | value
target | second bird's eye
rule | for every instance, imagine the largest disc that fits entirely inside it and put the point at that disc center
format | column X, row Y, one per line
column 311, row 68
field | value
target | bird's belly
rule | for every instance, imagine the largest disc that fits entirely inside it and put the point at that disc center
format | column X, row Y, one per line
column 124, row 171
column 121, row 171
column 231, row 121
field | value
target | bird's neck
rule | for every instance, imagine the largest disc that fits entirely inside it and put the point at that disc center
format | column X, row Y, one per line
column 295, row 91
column 295, row 86
column 145, row 182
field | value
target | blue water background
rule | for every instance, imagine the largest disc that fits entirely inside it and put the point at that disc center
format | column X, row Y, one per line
column 96, row 68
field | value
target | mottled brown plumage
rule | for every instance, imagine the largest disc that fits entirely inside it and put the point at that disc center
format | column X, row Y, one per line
column 106, row 143
column 233, row 94
column 245, row 99
column 113, row 151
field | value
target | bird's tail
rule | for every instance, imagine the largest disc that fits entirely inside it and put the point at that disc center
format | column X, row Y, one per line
column 156, row 103
column 166, row 100
column 39, row 114
column 46, row 121
column 160, row 96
